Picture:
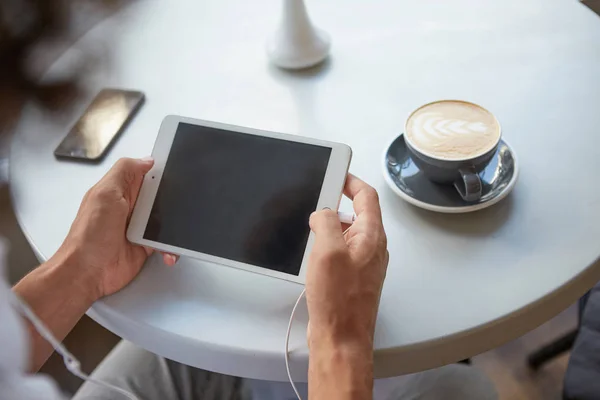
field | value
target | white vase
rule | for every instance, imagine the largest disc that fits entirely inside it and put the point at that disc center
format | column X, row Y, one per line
column 297, row 43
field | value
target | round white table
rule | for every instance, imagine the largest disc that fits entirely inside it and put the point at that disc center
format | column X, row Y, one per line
column 457, row 285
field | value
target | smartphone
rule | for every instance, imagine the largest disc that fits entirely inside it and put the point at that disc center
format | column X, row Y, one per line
column 101, row 123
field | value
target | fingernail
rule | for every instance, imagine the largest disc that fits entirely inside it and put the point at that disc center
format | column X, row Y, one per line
column 172, row 259
column 147, row 159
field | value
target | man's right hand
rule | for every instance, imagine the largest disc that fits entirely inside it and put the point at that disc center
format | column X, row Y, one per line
column 345, row 276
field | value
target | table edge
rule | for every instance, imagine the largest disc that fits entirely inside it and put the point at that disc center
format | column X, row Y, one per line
column 414, row 357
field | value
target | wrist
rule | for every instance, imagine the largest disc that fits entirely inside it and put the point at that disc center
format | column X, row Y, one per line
column 344, row 344
column 340, row 367
column 346, row 332
column 68, row 269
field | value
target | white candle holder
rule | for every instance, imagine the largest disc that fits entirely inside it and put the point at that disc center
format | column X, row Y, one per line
column 297, row 43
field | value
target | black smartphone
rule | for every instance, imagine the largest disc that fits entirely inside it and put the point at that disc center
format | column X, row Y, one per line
column 101, row 123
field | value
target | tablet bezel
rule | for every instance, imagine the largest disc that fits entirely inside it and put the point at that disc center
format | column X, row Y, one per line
column 330, row 196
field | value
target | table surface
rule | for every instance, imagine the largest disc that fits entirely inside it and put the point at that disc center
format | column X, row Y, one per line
column 457, row 285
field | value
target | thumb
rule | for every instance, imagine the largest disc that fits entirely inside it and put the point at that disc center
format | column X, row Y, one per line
column 327, row 228
column 128, row 174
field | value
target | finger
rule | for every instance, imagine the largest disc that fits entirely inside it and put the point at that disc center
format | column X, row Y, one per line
column 148, row 250
column 364, row 197
column 127, row 174
column 169, row 259
column 327, row 228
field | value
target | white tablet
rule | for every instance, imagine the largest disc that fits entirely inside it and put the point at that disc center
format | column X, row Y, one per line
column 237, row 196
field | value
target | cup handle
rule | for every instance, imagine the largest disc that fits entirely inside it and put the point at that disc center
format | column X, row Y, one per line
column 468, row 185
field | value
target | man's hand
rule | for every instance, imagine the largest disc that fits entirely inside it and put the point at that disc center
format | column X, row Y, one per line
column 96, row 244
column 343, row 287
column 95, row 260
column 346, row 270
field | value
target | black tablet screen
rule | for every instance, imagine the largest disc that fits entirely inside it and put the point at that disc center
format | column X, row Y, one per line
column 238, row 196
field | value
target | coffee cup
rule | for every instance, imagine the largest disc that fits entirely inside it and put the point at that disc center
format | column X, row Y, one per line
column 452, row 141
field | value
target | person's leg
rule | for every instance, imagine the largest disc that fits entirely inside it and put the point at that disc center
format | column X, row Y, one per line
column 452, row 382
column 151, row 377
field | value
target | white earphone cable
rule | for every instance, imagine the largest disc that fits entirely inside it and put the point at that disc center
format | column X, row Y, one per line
column 287, row 342
column 72, row 364
column 289, row 329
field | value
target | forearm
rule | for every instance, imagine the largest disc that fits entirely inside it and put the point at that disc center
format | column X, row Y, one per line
column 340, row 370
column 59, row 294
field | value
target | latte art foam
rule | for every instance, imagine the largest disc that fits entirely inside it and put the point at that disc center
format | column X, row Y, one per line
column 452, row 130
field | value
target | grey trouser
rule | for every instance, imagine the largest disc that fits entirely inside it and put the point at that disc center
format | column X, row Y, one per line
column 151, row 377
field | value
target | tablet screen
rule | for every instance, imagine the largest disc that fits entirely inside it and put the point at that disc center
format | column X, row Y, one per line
column 242, row 197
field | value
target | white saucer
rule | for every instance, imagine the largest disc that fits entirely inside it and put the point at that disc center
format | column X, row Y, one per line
column 408, row 182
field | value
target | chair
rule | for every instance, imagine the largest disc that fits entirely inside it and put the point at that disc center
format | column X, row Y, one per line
column 558, row 346
column 582, row 379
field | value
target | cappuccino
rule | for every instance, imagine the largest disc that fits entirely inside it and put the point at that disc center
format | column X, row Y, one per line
column 452, row 130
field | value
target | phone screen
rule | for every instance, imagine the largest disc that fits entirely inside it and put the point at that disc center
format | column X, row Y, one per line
column 100, row 124
column 237, row 196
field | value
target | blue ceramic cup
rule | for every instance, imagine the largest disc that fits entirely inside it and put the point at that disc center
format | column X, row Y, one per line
column 460, row 171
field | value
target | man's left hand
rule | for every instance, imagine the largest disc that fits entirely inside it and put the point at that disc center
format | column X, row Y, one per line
column 97, row 246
